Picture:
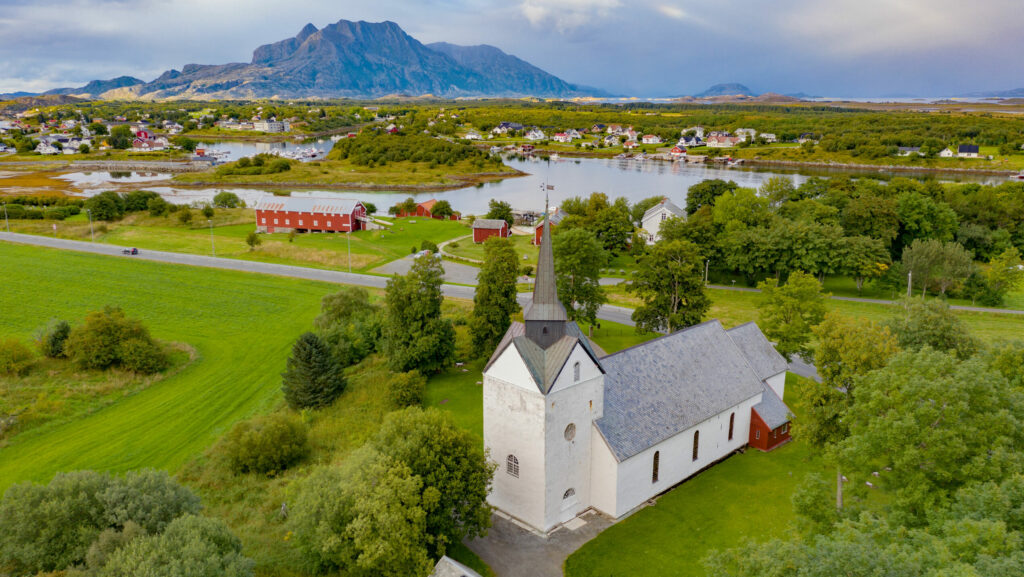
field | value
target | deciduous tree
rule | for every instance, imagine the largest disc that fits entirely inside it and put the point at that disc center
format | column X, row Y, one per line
column 788, row 312
column 578, row 262
column 495, row 300
column 669, row 281
column 414, row 334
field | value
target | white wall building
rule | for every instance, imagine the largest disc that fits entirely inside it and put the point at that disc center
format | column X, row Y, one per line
column 573, row 431
column 657, row 214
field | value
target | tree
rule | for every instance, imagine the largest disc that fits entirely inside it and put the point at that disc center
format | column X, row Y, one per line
column 207, row 211
column 191, row 545
column 186, row 143
column 225, row 199
column 923, row 218
column 15, row 358
column 862, row 258
column 934, row 263
column 138, row 200
column 934, row 424
column 1004, row 274
column 848, row 348
column 706, row 192
column 499, row 210
column 741, row 208
column 158, row 206
column 110, row 339
column 872, row 216
column 669, row 281
column 613, row 228
column 638, row 210
column 185, row 215
column 370, row 207
column 931, row 323
column 106, row 206
column 253, row 240
column 495, row 300
column 415, row 336
column 579, row 259
column 53, row 338
column 313, row 377
column 779, row 190
column 407, row 207
column 350, row 324
column 267, row 445
column 406, row 389
column 788, row 312
column 84, row 148
column 442, row 208
column 121, row 137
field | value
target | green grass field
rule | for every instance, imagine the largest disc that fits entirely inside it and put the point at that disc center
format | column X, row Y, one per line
column 522, row 243
column 747, row 495
column 241, row 326
column 369, row 248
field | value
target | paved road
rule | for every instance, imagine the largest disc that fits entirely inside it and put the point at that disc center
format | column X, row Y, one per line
column 453, row 271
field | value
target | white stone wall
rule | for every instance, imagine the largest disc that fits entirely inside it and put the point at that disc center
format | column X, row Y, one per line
column 652, row 224
column 514, row 424
column 634, row 484
column 778, row 384
column 604, row 472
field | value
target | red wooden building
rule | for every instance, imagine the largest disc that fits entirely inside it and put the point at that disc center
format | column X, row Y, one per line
column 539, row 227
column 309, row 214
column 485, row 228
column 425, row 210
column 769, row 422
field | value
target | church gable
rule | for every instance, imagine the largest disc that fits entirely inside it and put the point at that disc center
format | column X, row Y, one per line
column 579, row 366
column 508, row 366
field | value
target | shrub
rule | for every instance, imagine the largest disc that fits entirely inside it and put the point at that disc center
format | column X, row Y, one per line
column 252, row 239
column 265, row 445
column 527, row 270
column 406, row 389
column 138, row 200
column 106, row 206
column 185, row 215
column 207, row 211
column 53, row 338
column 109, row 338
column 158, row 206
column 15, row 357
column 428, row 245
column 191, row 545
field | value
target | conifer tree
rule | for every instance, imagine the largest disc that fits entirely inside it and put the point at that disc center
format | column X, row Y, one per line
column 495, row 300
column 313, row 377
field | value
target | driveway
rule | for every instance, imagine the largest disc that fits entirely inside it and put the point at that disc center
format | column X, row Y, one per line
column 453, row 271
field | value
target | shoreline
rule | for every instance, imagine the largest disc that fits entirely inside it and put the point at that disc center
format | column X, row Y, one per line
column 462, row 181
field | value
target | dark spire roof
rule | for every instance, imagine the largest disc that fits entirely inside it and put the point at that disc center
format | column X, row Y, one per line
column 545, row 305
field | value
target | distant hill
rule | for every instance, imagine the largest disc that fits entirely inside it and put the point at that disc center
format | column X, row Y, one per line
column 1014, row 93
column 351, row 60
column 730, row 89
column 36, row 101
column 98, row 87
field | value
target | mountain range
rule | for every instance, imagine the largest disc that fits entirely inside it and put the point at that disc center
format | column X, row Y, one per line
column 350, row 60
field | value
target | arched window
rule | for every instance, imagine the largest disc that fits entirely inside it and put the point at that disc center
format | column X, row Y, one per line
column 544, row 330
column 570, row 431
column 732, row 421
column 576, row 372
column 570, row 492
column 654, row 468
column 512, row 466
column 696, row 443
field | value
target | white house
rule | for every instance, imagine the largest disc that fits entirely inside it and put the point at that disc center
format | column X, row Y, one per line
column 651, row 139
column 657, row 214
column 697, row 130
column 967, row 151
column 573, row 133
column 573, row 431
column 947, row 153
column 691, row 141
column 561, row 137
column 747, row 134
column 535, row 134
column 715, row 141
column 611, row 140
column 768, row 137
column 271, row 126
column 472, row 135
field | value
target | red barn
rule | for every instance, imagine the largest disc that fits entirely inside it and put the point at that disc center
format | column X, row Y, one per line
column 539, row 228
column 769, row 422
column 425, row 210
column 309, row 214
column 485, row 228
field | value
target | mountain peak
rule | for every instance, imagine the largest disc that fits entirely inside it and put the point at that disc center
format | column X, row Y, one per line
column 307, row 31
column 727, row 89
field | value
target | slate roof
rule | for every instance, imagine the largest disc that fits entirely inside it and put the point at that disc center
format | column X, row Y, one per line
column 448, row 567
column 323, row 205
column 771, row 409
column 666, row 203
column 555, row 218
column 660, row 388
column 544, row 364
column 763, row 358
column 489, row 223
column 967, row 148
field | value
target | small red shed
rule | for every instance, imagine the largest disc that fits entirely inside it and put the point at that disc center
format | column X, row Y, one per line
column 309, row 214
column 538, row 229
column 769, row 422
column 425, row 209
column 485, row 228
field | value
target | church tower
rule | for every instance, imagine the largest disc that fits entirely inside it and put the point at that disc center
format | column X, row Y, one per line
column 543, row 388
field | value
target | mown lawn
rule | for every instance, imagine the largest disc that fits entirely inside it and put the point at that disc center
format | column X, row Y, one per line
column 747, row 495
column 522, row 243
column 241, row 326
column 368, row 248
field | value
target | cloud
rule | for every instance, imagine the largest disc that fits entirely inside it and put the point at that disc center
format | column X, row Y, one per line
column 671, row 11
column 567, row 15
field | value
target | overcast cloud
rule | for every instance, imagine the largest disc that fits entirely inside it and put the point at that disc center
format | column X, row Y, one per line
column 632, row 47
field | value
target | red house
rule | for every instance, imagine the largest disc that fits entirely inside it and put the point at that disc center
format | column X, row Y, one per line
column 485, row 228
column 769, row 422
column 309, row 214
column 425, row 210
column 539, row 227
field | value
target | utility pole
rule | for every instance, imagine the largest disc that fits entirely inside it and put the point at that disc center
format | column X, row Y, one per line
column 6, row 222
column 92, row 233
column 213, row 247
column 348, row 241
column 707, row 265
column 839, row 489
column 910, row 275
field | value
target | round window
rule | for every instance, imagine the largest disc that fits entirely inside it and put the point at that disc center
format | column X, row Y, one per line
column 570, row 432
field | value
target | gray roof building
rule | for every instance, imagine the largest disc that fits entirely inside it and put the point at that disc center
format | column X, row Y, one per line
column 667, row 204
column 448, row 567
column 763, row 358
column 489, row 223
column 771, row 409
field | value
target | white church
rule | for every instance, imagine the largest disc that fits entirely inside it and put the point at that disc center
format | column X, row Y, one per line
column 573, row 431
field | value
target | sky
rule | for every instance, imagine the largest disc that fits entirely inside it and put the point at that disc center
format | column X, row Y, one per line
column 647, row 48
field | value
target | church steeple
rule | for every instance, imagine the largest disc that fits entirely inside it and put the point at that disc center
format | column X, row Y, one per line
column 546, row 318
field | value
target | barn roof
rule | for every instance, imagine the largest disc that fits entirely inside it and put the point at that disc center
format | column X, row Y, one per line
column 764, row 359
column 660, row 388
column 489, row 223
column 428, row 205
column 323, row 205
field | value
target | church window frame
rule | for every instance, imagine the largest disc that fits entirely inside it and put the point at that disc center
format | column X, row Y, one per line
column 732, row 422
column 512, row 465
column 576, row 372
column 655, row 466
column 570, row 432
column 570, row 492
column 696, row 445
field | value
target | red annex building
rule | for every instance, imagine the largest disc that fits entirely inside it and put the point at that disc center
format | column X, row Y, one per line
column 425, row 210
column 769, row 422
column 309, row 214
column 539, row 227
column 485, row 228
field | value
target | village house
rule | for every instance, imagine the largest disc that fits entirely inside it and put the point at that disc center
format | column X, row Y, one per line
column 425, row 210
column 271, row 125
column 572, row 429
column 309, row 214
column 807, row 137
column 747, row 134
column 611, row 140
column 561, row 137
column 651, row 139
column 691, row 141
column 768, row 137
column 574, row 134
column 485, row 228
column 947, row 153
column 630, row 145
column 967, row 151
column 715, row 141
column 535, row 134
column 597, row 128
column 614, row 129
column 506, row 127
column 677, row 152
column 657, row 214
column 472, row 135
column 630, row 134
column 908, row 150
